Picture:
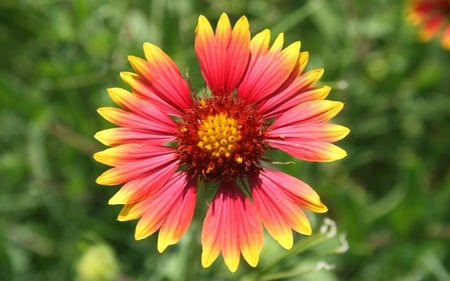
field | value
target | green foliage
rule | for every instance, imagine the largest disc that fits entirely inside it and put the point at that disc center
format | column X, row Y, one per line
column 390, row 195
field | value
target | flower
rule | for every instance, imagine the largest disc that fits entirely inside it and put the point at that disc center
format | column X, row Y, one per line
column 170, row 142
column 434, row 17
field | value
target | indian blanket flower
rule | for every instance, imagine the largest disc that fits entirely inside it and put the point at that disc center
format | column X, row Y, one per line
column 171, row 141
column 433, row 16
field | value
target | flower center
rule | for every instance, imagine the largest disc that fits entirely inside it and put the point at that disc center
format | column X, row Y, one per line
column 221, row 138
column 219, row 135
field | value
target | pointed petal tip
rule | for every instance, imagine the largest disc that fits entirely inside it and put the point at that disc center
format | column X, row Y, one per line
column 320, row 72
column 286, row 242
column 161, row 247
column 202, row 18
column 127, row 76
column 139, row 235
column 143, row 230
column 106, row 178
column 98, row 156
column 296, row 45
column 113, row 90
column 232, row 264
column 113, row 201
column 307, row 230
column 252, row 259
column 163, row 243
column 119, row 198
column 208, row 258
column 151, row 50
column 321, row 209
column 147, row 45
column 277, row 44
column 133, row 59
column 242, row 21
column 137, row 63
column 103, row 137
column 223, row 17
column 345, row 131
column 100, row 110
column 337, row 154
column 202, row 23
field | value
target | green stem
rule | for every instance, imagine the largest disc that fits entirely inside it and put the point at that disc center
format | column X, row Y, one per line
column 300, row 247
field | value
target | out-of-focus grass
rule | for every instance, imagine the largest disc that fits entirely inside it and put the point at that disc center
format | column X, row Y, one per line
column 390, row 195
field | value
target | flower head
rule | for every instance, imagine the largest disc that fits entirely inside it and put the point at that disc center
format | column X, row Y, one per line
column 434, row 18
column 170, row 141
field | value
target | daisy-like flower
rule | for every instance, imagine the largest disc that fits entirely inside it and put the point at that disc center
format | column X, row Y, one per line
column 433, row 16
column 170, row 142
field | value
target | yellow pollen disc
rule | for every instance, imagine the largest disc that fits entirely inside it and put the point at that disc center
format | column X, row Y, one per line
column 219, row 134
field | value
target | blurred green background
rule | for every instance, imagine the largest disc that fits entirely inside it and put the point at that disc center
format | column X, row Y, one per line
column 390, row 196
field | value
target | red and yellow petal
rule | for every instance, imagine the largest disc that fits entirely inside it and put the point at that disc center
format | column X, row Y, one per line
column 303, row 61
column 273, row 213
column 141, row 107
column 130, row 120
column 298, row 91
column 259, row 45
column 278, row 199
column 274, row 66
column 302, row 132
column 161, row 76
column 118, row 136
column 143, row 186
column 170, row 210
column 231, row 226
column 299, row 192
column 315, row 111
column 313, row 151
column 132, row 153
column 325, row 132
column 179, row 216
column 223, row 55
column 133, row 161
column 143, row 91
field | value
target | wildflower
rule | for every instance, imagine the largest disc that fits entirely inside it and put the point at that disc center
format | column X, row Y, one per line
column 434, row 18
column 170, row 142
